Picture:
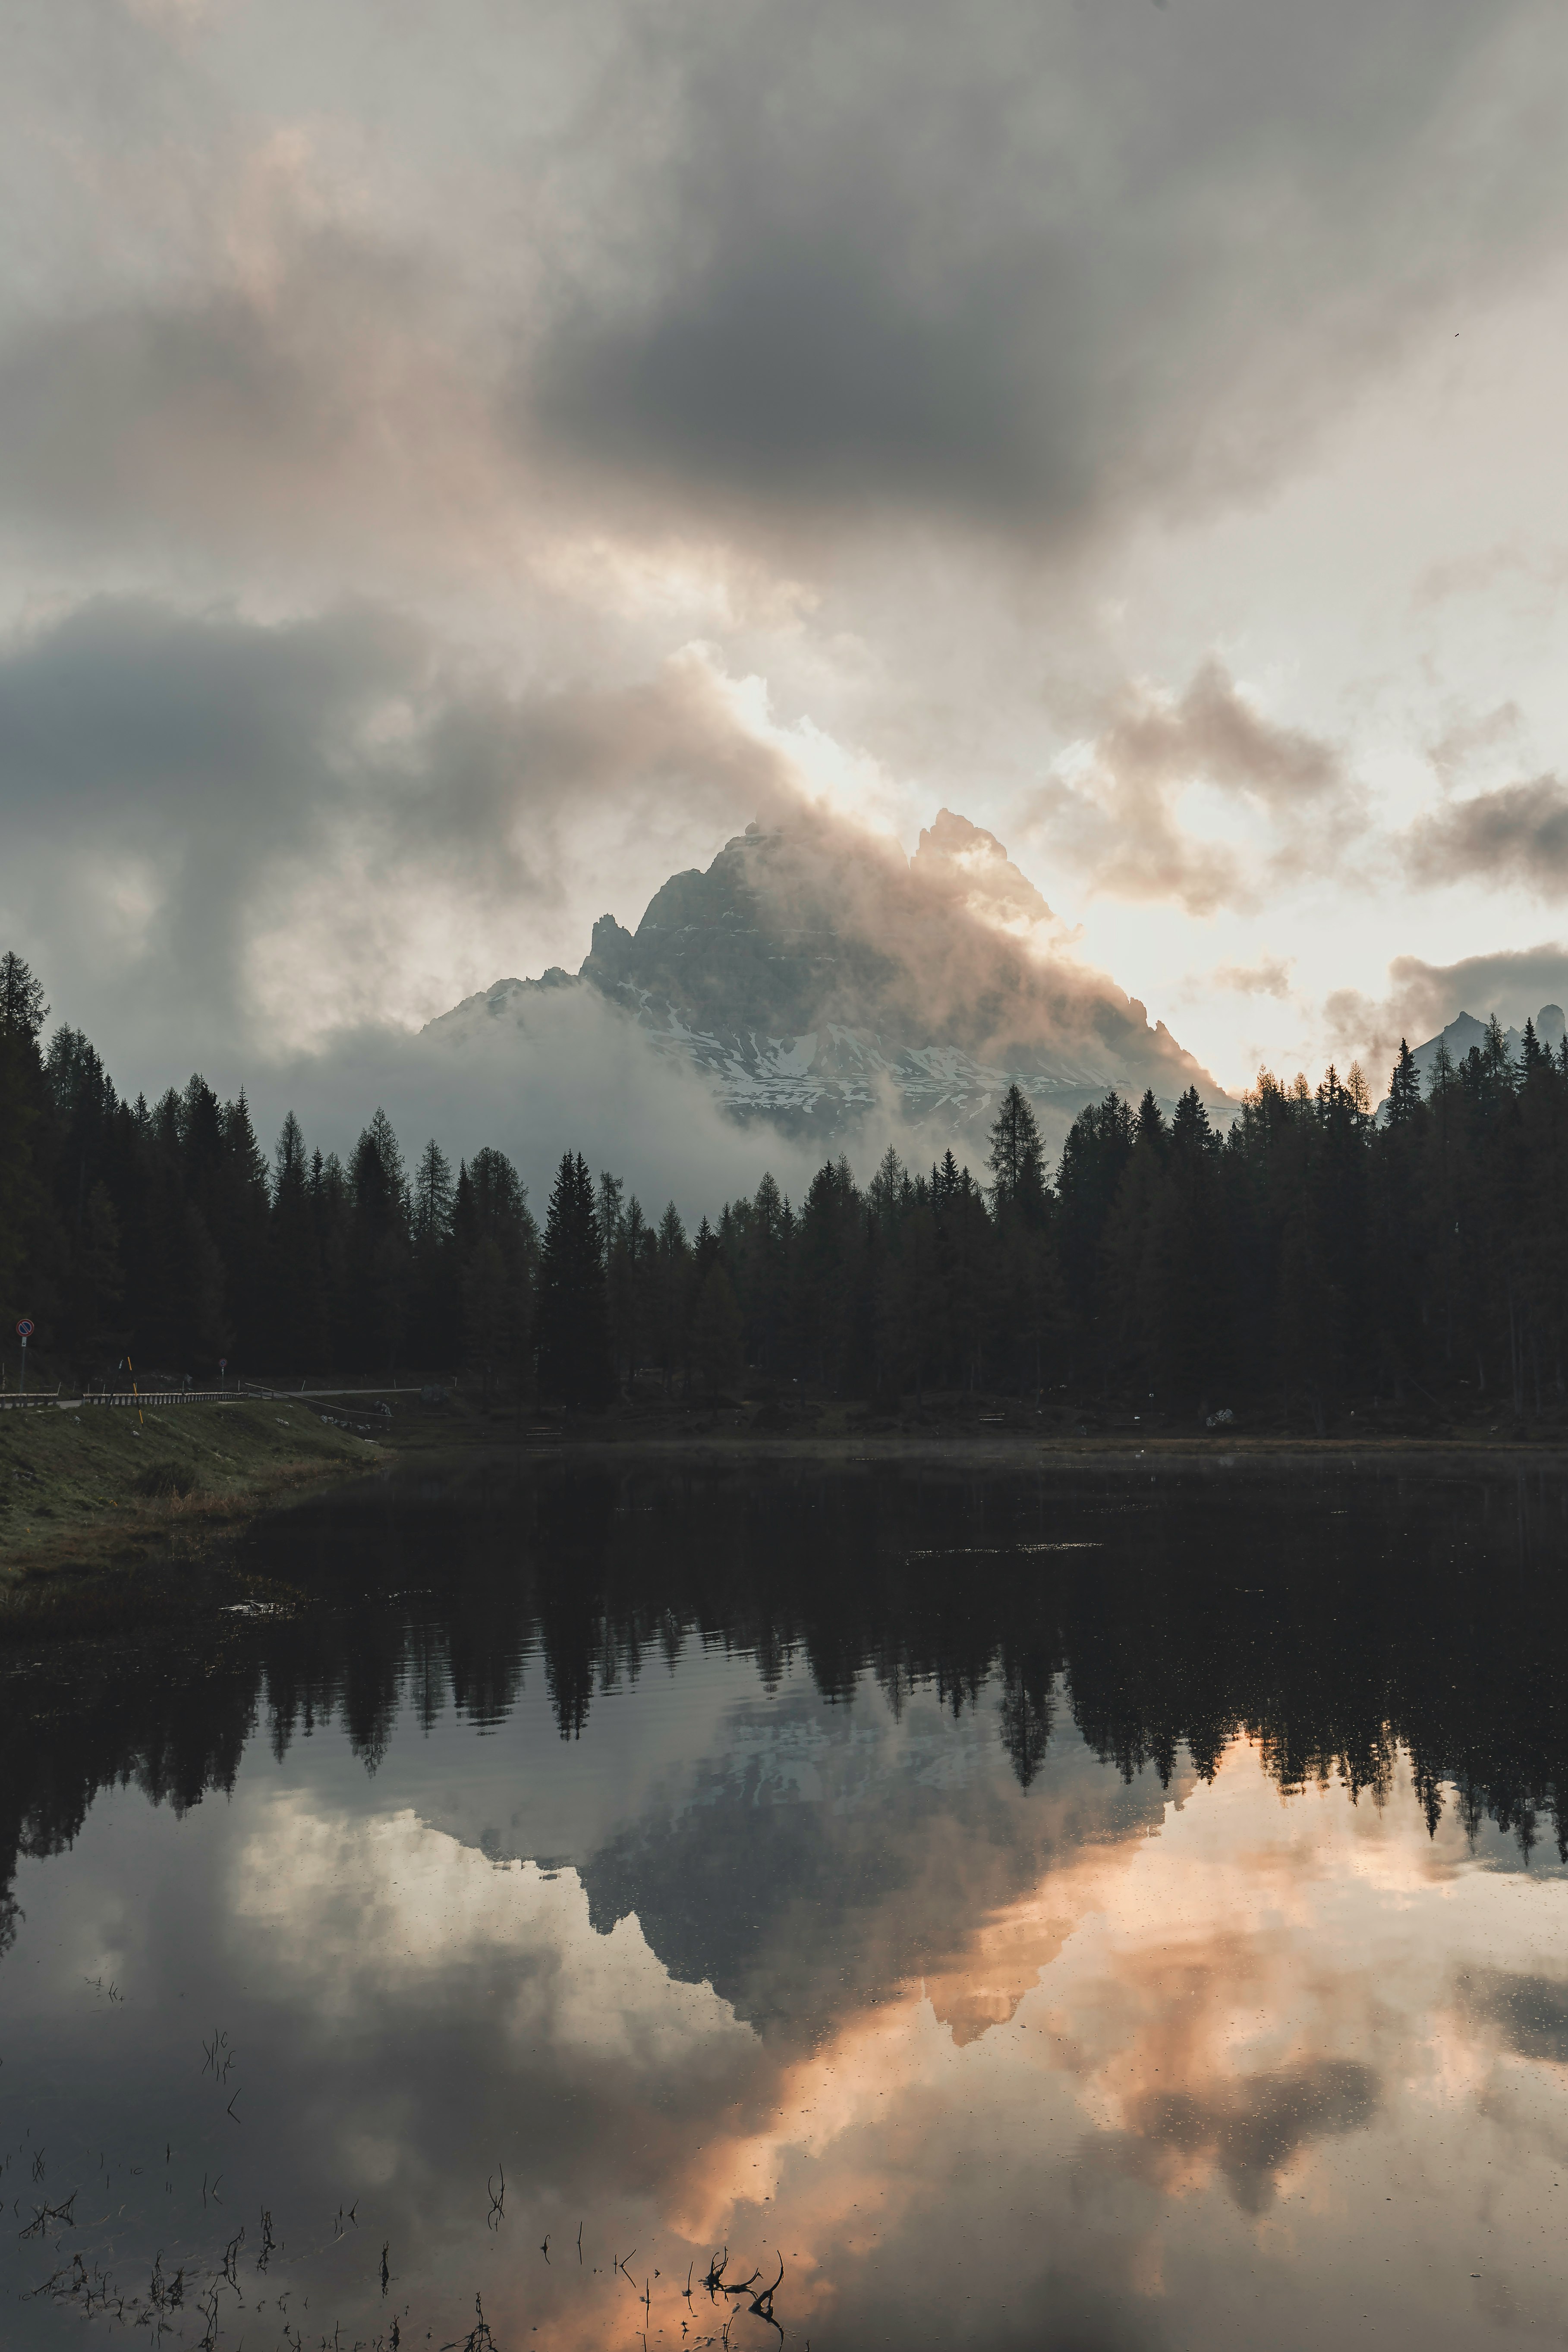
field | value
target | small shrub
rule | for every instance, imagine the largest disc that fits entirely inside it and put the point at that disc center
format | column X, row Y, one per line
column 167, row 1480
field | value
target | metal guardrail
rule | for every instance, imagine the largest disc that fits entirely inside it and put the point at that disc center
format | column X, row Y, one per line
column 117, row 1396
column 52, row 1401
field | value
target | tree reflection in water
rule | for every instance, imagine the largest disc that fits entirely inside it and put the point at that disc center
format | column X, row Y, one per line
column 936, row 1867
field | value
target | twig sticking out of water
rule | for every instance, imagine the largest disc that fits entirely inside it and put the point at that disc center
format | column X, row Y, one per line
column 163, row 2295
column 219, row 2056
column 762, row 2307
column 545, row 2249
column 209, row 2308
column 496, row 2213
column 268, row 2240
column 46, row 2215
column 479, row 2337
column 385, row 2273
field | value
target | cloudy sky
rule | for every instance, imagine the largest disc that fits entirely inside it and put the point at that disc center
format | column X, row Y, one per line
column 451, row 458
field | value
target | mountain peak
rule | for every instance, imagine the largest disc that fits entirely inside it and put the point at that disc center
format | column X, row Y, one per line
column 816, row 976
column 952, row 850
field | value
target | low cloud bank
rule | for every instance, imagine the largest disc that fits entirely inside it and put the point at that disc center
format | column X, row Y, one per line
column 1423, row 998
column 578, row 1075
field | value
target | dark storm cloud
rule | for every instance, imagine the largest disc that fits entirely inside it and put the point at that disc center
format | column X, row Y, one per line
column 1028, row 262
column 1517, row 834
column 1250, row 2128
column 1528, row 2013
column 224, row 765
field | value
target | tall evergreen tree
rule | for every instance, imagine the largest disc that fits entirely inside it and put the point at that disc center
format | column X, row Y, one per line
column 1016, row 1160
column 296, row 1330
column 574, row 1342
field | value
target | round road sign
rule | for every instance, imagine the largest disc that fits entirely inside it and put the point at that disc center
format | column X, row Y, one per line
column 25, row 1327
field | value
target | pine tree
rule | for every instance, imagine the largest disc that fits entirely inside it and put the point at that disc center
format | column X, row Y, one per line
column 573, row 1348
column 671, row 1305
column 432, row 1197
column 296, row 1335
column 240, row 1218
column 1404, row 1088
column 23, row 1107
column 379, row 1245
column 1016, row 1160
column 23, row 1012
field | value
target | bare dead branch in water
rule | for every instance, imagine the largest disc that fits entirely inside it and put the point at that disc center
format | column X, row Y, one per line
column 479, row 2337
column 208, row 2339
column 46, row 2215
column 763, row 2309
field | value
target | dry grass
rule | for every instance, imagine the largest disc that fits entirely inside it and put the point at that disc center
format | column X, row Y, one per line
column 106, row 1484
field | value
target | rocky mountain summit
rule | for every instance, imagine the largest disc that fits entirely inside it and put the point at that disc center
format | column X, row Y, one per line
column 814, row 976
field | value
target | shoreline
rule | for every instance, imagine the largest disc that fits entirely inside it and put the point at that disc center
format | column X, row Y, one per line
column 141, row 1558
column 95, row 1507
column 962, row 1449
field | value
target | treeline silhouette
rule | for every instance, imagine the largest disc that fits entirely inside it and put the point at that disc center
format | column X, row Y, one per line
column 1382, row 1625
column 1315, row 1256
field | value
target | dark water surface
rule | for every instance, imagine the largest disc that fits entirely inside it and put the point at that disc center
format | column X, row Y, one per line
column 1037, row 1909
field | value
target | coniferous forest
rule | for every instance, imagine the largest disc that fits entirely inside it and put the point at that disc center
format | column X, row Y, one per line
column 1318, row 1260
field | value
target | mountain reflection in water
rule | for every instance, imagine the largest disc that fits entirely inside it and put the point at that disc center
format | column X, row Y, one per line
column 1036, row 1910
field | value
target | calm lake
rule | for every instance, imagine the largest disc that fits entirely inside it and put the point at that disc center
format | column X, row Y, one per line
column 1036, row 1909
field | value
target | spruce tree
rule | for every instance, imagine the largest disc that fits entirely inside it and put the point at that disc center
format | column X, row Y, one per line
column 432, row 1204
column 670, row 1301
column 379, row 1250
column 1016, row 1160
column 296, row 1332
column 1403, row 1087
column 573, row 1346
column 24, row 1106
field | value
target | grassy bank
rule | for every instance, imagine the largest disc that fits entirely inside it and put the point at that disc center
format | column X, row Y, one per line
column 105, row 1487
